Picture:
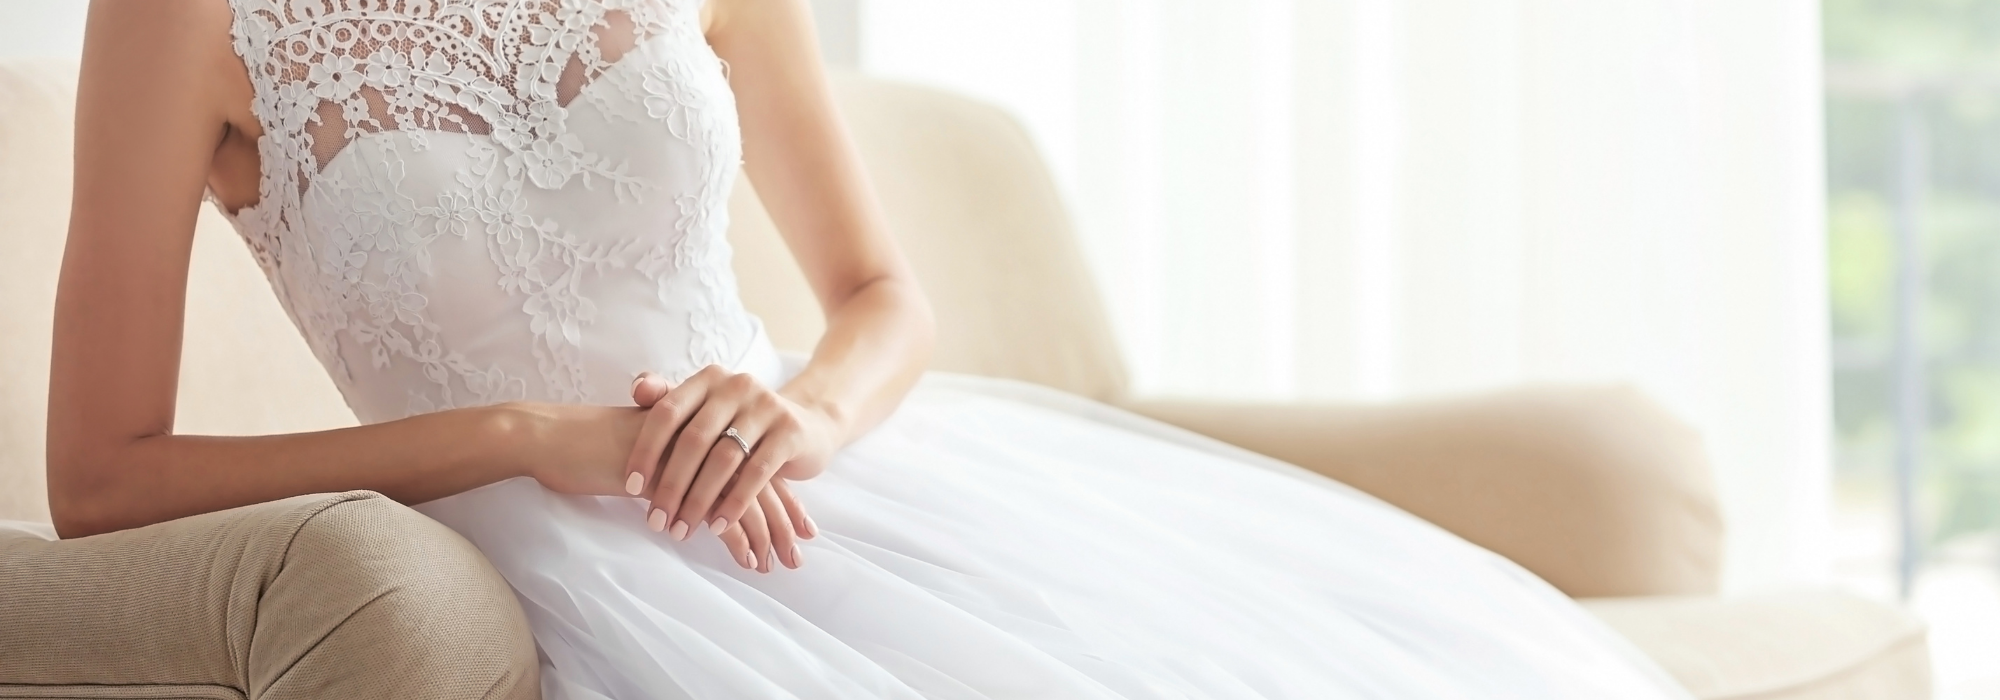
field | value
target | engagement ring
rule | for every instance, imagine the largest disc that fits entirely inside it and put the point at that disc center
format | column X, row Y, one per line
column 738, row 437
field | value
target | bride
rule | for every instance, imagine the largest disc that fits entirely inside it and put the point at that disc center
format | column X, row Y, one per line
column 499, row 224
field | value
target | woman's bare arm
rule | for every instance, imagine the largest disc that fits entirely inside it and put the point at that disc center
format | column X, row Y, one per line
column 878, row 324
column 153, row 106
column 795, row 148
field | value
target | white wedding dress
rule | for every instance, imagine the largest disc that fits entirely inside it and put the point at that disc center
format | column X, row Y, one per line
column 472, row 201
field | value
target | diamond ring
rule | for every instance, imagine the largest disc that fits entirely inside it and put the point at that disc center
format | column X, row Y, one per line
column 738, row 437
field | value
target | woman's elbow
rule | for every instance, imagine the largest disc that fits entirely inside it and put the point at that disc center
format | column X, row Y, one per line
column 923, row 319
column 77, row 515
column 79, row 505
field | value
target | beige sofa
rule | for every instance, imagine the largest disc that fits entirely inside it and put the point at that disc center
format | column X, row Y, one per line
column 1594, row 488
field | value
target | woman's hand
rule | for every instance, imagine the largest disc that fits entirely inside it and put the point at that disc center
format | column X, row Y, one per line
column 707, row 475
column 577, row 449
column 774, row 526
column 581, row 449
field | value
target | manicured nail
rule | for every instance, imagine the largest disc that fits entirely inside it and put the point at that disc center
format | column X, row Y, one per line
column 680, row 531
column 796, row 558
column 749, row 560
column 635, row 483
column 718, row 526
column 812, row 528
column 657, row 521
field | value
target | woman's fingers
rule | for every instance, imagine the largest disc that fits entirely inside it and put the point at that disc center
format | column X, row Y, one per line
column 779, row 524
column 688, row 463
column 756, row 471
column 764, row 535
column 741, row 550
column 670, row 410
column 801, row 523
column 719, row 469
column 758, row 531
column 648, row 389
column 696, row 472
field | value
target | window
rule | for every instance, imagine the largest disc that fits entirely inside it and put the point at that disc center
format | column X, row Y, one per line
column 1913, row 192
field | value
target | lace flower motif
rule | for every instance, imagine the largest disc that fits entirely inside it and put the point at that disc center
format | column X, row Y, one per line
column 350, row 251
column 552, row 162
column 335, row 78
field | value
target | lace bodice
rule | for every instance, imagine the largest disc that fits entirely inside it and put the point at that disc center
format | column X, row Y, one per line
column 471, row 201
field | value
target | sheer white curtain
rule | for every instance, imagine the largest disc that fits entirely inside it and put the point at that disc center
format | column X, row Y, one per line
column 1371, row 199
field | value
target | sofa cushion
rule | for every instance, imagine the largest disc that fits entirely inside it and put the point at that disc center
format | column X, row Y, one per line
column 347, row 595
column 1816, row 645
column 1597, row 490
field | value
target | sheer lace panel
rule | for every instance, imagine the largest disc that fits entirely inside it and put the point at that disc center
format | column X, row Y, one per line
column 544, row 168
column 443, row 66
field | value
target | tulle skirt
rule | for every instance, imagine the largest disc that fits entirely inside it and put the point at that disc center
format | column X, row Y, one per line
column 997, row 540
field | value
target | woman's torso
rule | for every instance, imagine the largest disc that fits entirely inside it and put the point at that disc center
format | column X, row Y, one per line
column 462, row 202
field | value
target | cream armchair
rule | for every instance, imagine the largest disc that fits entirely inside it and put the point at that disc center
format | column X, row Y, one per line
column 1595, row 489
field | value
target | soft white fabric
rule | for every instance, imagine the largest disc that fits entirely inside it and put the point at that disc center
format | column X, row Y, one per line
column 446, row 233
column 35, row 529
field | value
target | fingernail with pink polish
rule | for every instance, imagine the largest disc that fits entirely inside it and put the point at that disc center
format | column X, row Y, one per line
column 657, row 521
column 797, row 558
column 812, row 528
column 680, row 531
column 749, row 560
column 718, row 526
column 635, row 483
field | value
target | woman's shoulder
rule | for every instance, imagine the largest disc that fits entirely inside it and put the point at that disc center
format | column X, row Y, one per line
column 187, row 42
column 187, row 25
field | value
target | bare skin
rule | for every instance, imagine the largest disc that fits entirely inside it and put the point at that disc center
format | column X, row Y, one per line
column 163, row 112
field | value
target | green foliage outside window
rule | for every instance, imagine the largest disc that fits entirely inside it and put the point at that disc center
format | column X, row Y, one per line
column 1946, row 54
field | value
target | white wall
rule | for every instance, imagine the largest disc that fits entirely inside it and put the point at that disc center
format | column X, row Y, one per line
column 41, row 28
column 839, row 24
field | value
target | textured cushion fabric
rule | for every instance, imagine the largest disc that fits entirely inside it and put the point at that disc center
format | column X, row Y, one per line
column 970, row 202
column 325, row 596
column 1791, row 646
column 244, row 369
column 1596, row 490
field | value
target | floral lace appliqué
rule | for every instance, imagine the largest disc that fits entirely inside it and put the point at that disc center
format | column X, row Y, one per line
column 400, row 130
